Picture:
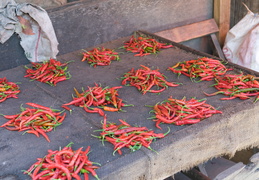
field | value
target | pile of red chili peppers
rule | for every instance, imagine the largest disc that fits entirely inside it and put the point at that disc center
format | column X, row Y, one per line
column 204, row 68
column 98, row 97
column 63, row 164
column 145, row 78
column 50, row 72
column 144, row 45
column 125, row 135
column 182, row 112
column 8, row 89
column 237, row 86
column 37, row 120
column 100, row 56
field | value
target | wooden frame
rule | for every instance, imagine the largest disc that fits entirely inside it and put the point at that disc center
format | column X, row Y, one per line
column 222, row 17
column 195, row 30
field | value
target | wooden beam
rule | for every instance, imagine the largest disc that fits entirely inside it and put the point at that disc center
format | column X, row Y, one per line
column 217, row 46
column 222, row 18
column 190, row 31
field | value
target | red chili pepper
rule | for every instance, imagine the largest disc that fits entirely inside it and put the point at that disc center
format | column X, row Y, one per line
column 145, row 78
column 144, row 46
column 187, row 121
column 204, row 68
column 43, row 134
column 33, row 132
column 8, row 89
column 129, row 129
column 97, row 98
column 100, row 56
column 3, row 99
column 164, row 120
column 38, row 120
column 90, row 111
column 50, row 72
column 39, row 106
column 92, row 172
column 63, row 164
column 75, row 156
column 175, row 111
column 67, row 108
column 124, row 135
column 236, row 86
column 63, row 168
column 157, row 91
column 106, row 108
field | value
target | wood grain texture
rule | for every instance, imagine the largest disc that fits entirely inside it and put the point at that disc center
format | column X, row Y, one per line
column 190, row 31
column 238, row 10
column 222, row 17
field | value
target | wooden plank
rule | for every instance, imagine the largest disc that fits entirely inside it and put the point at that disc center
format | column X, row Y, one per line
column 241, row 172
column 238, row 10
column 222, row 17
column 190, row 31
column 217, row 46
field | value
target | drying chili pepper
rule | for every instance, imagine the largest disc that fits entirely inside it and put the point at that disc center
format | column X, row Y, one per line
column 145, row 78
column 204, row 68
column 96, row 99
column 144, row 45
column 50, row 72
column 182, row 112
column 8, row 89
column 63, row 164
column 237, row 86
column 106, row 108
column 37, row 120
column 125, row 135
column 100, row 56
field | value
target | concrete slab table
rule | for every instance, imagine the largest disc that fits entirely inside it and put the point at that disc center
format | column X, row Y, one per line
column 184, row 147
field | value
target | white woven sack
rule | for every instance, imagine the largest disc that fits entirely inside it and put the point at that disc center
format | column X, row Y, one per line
column 242, row 42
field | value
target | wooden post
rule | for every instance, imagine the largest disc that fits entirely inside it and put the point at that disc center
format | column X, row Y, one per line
column 222, row 18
